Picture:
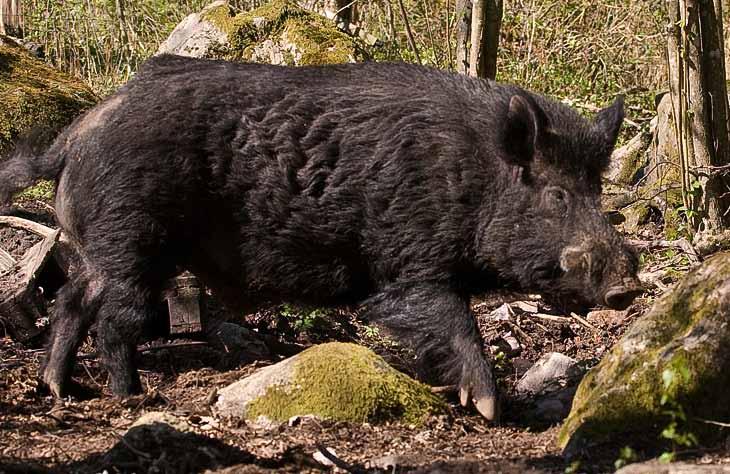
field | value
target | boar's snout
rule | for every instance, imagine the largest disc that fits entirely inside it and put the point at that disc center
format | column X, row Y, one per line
column 621, row 296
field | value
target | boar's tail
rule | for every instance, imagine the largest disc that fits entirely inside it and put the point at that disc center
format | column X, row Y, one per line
column 28, row 163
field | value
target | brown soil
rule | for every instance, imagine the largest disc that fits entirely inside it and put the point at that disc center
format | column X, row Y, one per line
column 85, row 435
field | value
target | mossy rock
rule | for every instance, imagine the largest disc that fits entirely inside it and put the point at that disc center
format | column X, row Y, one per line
column 281, row 32
column 34, row 94
column 686, row 334
column 337, row 381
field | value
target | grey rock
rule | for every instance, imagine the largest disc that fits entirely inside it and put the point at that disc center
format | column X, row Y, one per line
column 552, row 372
column 195, row 36
column 656, row 467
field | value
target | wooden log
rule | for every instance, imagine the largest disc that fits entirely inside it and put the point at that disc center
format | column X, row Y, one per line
column 6, row 261
column 21, row 303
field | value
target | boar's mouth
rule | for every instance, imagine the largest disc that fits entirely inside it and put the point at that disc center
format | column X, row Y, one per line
column 620, row 297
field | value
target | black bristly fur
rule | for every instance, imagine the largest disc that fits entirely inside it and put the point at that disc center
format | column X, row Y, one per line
column 388, row 184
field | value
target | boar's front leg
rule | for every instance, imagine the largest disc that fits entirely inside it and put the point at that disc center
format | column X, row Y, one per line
column 437, row 323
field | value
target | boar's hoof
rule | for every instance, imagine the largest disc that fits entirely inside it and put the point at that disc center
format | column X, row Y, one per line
column 485, row 404
column 620, row 297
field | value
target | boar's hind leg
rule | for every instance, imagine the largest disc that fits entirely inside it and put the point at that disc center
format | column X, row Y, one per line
column 123, row 315
column 74, row 313
column 438, row 324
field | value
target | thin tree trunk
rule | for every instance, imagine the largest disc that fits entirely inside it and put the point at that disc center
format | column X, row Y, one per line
column 478, row 12
column 715, row 91
column 463, row 29
column 490, row 41
column 11, row 18
column 409, row 33
column 486, row 21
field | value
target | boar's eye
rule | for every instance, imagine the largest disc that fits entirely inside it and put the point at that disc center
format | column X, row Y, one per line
column 555, row 200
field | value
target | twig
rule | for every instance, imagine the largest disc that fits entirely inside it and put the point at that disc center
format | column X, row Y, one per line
column 409, row 33
column 712, row 422
column 171, row 345
column 520, row 332
column 582, row 321
column 339, row 462
column 551, row 317
column 679, row 244
column 444, row 389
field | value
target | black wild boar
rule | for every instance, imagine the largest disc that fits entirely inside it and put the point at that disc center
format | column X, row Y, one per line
column 399, row 186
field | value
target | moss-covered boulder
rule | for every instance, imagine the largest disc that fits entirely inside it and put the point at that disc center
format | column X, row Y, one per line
column 34, row 94
column 279, row 32
column 337, row 381
column 672, row 363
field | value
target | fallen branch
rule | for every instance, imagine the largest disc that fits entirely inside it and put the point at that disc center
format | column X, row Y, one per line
column 25, row 224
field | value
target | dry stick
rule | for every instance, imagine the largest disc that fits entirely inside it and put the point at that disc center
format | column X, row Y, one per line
column 409, row 33
column 582, row 321
column 337, row 461
column 25, row 224
column 551, row 317
column 444, row 389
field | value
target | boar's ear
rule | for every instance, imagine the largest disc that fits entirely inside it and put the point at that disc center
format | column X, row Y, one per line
column 524, row 124
column 608, row 121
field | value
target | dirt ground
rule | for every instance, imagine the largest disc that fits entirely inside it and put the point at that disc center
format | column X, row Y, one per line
column 85, row 435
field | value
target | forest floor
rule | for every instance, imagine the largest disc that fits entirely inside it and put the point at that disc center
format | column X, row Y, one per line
column 88, row 434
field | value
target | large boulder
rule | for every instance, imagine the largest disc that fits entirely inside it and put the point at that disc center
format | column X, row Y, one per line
column 34, row 94
column 672, row 363
column 280, row 32
column 337, row 381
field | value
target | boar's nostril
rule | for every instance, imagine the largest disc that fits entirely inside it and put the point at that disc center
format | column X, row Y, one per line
column 620, row 297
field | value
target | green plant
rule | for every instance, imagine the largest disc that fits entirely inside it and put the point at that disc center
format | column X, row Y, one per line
column 303, row 319
column 371, row 331
column 626, row 455
column 677, row 431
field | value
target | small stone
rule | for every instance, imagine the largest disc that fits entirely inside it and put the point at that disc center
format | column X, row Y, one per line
column 159, row 417
column 606, row 317
column 503, row 313
column 551, row 372
column 509, row 344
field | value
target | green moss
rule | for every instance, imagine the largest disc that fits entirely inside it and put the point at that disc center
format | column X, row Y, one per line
column 34, row 94
column 315, row 39
column 623, row 394
column 43, row 191
column 347, row 382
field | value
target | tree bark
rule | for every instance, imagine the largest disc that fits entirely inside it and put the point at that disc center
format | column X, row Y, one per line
column 715, row 93
column 11, row 18
column 463, row 32
column 695, row 53
column 486, row 21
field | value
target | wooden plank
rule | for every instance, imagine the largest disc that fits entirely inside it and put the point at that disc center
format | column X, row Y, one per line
column 183, row 303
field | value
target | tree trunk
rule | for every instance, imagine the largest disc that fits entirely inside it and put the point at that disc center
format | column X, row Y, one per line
column 713, row 59
column 463, row 29
column 11, row 18
column 699, row 97
column 486, row 20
